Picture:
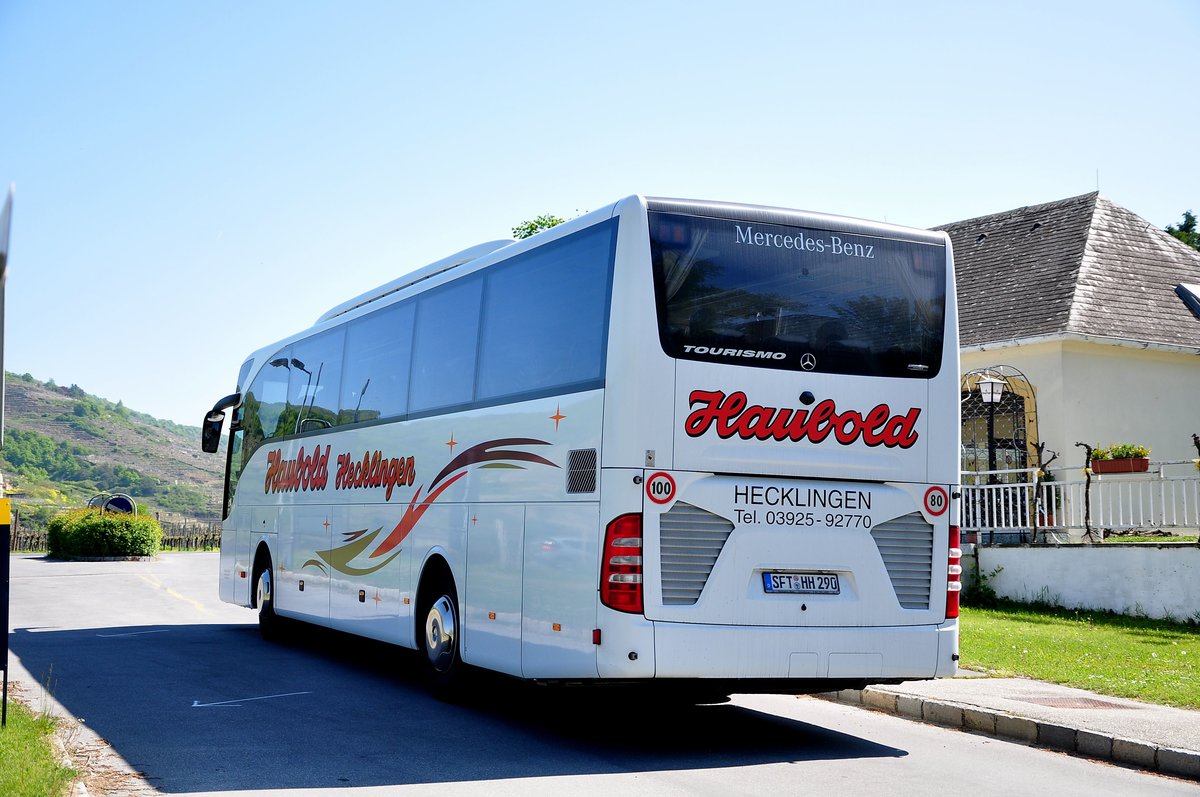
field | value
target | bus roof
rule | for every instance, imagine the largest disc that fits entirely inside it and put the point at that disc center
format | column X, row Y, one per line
column 766, row 214
column 761, row 213
column 413, row 277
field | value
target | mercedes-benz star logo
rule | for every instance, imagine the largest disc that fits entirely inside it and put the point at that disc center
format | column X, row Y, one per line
column 808, row 362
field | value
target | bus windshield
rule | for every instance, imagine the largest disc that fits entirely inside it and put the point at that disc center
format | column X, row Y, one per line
column 797, row 298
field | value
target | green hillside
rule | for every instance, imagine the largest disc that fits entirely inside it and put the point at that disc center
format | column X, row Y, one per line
column 62, row 446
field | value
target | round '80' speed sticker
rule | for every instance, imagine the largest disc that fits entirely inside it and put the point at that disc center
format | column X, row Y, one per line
column 660, row 488
column 936, row 501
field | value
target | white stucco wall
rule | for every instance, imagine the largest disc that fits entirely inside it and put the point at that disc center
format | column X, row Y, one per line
column 1160, row 581
column 1102, row 394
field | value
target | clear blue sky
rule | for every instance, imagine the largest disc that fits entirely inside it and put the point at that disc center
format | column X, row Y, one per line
column 197, row 179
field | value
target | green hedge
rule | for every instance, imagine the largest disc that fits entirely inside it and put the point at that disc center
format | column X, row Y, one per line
column 90, row 532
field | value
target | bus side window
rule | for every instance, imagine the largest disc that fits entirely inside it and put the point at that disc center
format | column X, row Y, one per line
column 266, row 402
column 444, row 344
column 316, row 372
column 237, row 461
column 378, row 354
column 559, row 343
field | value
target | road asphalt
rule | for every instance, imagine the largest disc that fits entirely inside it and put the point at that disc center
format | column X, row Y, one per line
column 1142, row 735
column 1126, row 732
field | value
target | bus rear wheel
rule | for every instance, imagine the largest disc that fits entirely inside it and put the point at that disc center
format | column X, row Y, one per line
column 440, row 638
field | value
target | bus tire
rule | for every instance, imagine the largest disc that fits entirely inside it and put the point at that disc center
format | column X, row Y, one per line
column 440, row 636
column 270, row 625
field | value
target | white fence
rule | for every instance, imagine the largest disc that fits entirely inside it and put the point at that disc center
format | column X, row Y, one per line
column 1015, row 503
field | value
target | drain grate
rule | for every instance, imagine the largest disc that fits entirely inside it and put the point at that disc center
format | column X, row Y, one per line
column 1070, row 702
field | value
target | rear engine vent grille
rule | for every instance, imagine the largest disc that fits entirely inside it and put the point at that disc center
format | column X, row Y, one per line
column 581, row 471
column 906, row 545
column 690, row 540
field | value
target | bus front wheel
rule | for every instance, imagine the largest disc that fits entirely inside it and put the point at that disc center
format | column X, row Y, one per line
column 440, row 637
column 268, row 622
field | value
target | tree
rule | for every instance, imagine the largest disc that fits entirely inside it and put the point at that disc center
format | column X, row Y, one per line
column 1186, row 231
column 534, row 226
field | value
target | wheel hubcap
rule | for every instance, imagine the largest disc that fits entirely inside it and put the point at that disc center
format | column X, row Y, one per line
column 264, row 588
column 440, row 633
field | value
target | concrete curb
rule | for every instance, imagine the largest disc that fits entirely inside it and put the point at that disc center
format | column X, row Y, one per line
column 1001, row 724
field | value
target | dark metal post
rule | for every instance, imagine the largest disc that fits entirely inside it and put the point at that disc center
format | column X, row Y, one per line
column 990, row 390
column 992, row 478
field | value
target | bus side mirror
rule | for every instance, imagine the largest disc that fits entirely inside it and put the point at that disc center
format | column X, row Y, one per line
column 210, row 429
column 210, row 432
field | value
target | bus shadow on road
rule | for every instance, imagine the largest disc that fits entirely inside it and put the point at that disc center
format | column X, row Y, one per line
column 213, row 707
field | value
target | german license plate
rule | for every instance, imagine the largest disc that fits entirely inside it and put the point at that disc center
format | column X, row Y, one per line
column 803, row 583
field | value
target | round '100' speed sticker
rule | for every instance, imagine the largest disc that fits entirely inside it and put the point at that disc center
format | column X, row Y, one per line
column 660, row 488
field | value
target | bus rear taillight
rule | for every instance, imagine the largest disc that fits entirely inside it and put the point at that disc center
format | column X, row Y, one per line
column 953, row 573
column 621, row 565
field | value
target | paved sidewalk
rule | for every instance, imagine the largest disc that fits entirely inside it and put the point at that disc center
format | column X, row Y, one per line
column 1151, row 737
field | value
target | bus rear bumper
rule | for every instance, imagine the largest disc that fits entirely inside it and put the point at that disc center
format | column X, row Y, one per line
column 874, row 654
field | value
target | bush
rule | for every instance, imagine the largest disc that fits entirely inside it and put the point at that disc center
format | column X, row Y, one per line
column 1127, row 450
column 90, row 532
column 981, row 594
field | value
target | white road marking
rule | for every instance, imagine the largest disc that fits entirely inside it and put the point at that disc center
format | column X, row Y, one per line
column 198, row 704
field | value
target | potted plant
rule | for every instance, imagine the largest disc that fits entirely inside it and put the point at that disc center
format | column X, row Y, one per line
column 1121, row 458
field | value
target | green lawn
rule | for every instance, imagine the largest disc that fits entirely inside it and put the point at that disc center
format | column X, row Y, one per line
column 1151, row 660
column 29, row 766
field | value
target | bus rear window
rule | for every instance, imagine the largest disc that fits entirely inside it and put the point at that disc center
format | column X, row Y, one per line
column 797, row 298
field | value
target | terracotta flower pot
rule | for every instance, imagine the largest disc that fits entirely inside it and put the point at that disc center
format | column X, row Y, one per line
column 1130, row 465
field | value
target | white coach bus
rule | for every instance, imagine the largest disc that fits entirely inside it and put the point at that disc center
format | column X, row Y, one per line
column 669, row 441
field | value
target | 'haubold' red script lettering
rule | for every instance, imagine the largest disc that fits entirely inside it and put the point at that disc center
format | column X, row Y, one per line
column 734, row 415
column 308, row 471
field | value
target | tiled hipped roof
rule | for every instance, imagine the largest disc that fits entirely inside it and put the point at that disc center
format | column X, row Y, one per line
column 1081, row 265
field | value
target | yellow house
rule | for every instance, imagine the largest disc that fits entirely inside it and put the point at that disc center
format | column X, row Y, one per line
column 1098, row 310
